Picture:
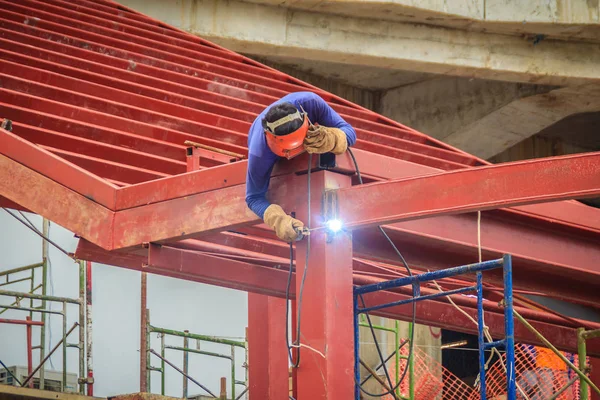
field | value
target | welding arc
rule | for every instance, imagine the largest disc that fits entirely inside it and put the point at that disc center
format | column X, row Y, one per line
column 414, row 314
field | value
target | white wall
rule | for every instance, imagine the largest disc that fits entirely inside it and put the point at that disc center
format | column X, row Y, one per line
column 173, row 304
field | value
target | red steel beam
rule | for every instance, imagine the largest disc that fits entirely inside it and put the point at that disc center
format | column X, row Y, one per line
column 142, row 75
column 111, row 88
column 94, row 148
column 95, row 133
column 436, row 151
column 216, row 270
column 194, row 266
column 172, row 104
column 71, row 210
column 108, row 169
column 57, row 169
column 484, row 188
column 191, row 183
column 181, row 218
column 100, row 98
column 555, row 264
column 106, row 120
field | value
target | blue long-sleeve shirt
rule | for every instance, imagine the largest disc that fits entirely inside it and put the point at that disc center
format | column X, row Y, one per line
column 261, row 159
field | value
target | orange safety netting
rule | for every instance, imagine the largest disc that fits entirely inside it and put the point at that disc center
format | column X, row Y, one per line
column 432, row 380
column 539, row 374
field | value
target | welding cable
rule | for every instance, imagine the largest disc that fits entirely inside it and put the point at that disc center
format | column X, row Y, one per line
column 32, row 227
column 414, row 311
column 296, row 344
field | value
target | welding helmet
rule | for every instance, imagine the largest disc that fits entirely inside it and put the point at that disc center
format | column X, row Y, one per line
column 289, row 145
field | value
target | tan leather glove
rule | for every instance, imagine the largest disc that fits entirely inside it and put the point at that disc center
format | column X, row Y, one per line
column 286, row 228
column 321, row 139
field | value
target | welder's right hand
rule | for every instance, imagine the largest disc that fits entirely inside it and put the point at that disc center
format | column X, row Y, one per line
column 286, row 228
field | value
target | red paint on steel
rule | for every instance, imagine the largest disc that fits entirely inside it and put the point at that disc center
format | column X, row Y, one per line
column 267, row 353
column 99, row 150
column 216, row 270
column 184, row 265
column 182, row 218
column 294, row 338
column 446, row 316
column 490, row 187
column 74, row 211
column 326, row 312
column 29, row 350
column 56, row 168
column 441, row 242
column 27, row 321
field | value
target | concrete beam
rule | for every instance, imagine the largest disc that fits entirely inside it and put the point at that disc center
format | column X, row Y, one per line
column 485, row 118
column 554, row 18
column 264, row 30
column 522, row 119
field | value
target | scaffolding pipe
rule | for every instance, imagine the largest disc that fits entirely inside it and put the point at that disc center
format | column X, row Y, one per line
column 186, row 344
column 162, row 364
column 64, row 352
column 164, row 360
column 21, row 269
column 144, row 364
column 233, row 372
column 374, row 375
column 49, row 355
column 582, row 356
column 46, row 233
column 196, row 336
column 549, row 345
column 88, row 312
column 11, row 293
column 81, row 346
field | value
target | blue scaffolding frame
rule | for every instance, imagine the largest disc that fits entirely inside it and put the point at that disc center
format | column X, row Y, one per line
column 509, row 339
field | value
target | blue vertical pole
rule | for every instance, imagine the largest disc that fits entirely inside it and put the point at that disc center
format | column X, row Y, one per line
column 480, row 336
column 509, row 329
column 356, row 350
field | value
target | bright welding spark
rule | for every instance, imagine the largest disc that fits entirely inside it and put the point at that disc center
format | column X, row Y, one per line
column 334, row 225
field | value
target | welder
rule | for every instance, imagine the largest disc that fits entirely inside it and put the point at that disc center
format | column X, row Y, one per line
column 296, row 123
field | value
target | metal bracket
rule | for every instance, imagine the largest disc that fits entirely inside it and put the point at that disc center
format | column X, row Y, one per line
column 327, row 161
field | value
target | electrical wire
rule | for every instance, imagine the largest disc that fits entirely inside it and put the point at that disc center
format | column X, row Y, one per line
column 392, row 391
column 296, row 344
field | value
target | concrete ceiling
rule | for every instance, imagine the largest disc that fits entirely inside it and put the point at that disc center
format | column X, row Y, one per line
column 361, row 76
column 581, row 130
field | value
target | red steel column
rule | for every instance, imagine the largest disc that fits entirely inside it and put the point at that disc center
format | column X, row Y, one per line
column 293, row 317
column 326, row 314
column 267, row 353
column 29, row 351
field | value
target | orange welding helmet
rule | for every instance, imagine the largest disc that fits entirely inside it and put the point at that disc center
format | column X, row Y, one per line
column 289, row 145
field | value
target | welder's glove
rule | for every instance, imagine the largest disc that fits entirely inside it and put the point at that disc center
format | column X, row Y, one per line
column 321, row 139
column 286, row 228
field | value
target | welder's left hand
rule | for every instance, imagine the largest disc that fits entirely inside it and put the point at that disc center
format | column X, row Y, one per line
column 321, row 139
